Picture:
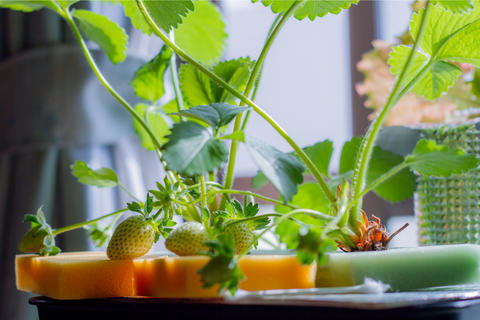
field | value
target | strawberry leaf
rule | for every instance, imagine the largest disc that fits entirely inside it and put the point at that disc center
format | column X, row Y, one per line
column 99, row 233
column 103, row 178
column 349, row 154
column 198, row 89
column 320, row 154
column 399, row 187
column 222, row 269
column 25, row 6
column 166, row 14
column 455, row 6
column 311, row 8
column 29, row 5
column 112, row 39
column 282, row 170
column 432, row 84
column 41, row 228
column 202, row 34
column 155, row 121
column 192, row 150
column 136, row 17
column 216, row 114
column 148, row 80
column 447, row 37
column 430, row 159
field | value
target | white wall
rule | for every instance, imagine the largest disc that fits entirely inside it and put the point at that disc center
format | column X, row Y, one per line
column 306, row 80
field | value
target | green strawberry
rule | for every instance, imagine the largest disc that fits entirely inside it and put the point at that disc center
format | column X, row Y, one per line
column 188, row 239
column 131, row 239
column 241, row 234
column 32, row 241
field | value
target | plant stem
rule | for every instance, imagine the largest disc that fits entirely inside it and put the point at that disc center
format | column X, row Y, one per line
column 230, row 191
column 371, row 136
column 274, row 246
column 254, row 95
column 104, row 81
column 175, row 81
column 129, row 193
column 204, row 190
column 86, row 223
column 251, row 82
column 377, row 182
column 211, row 183
column 284, row 217
column 310, row 213
column 244, row 99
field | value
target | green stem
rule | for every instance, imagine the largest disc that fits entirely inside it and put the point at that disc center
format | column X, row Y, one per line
column 104, row 81
column 242, row 98
column 377, row 182
column 278, row 221
column 251, row 82
column 175, row 81
column 364, row 159
column 230, row 191
column 274, row 246
column 310, row 213
column 204, row 190
column 129, row 193
column 86, row 223
column 210, row 183
column 254, row 95
column 114, row 220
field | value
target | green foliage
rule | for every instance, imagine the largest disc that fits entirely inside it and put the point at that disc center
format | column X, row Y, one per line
column 165, row 196
column 431, row 84
column 202, row 34
column 166, row 14
column 148, row 80
column 103, row 178
column 222, row 269
column 430, row 159
column 30, row 5
column 282, row 170
column 216, row 114
column 198, row 89
column 192, row 150
column 65, row 4
column 320, row 154
column 349, row 152
column 155, row 121
column 39, row 223
column 25, row 6
column 112, row 39
column 248, row 211
column 398, row 139
column 455, row 6
column 311, row 8
column 136, row 17
column 447, row 37
column 399, row 187
column 99, row 233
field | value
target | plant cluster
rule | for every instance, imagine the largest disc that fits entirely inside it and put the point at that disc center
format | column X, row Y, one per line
column 189, row 135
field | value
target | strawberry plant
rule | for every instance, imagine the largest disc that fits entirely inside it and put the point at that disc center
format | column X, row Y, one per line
column 189, row 135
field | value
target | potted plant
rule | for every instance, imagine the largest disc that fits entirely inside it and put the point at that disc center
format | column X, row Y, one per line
column 210, row 95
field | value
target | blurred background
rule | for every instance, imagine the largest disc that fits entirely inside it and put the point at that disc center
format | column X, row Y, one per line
column 53, row 111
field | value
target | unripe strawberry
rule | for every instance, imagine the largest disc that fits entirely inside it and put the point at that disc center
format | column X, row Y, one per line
column 32, row 241
column 188, row 239
column 242, row 236
column 131, row 239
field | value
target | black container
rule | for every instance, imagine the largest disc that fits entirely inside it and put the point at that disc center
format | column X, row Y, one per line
column 211, row 309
